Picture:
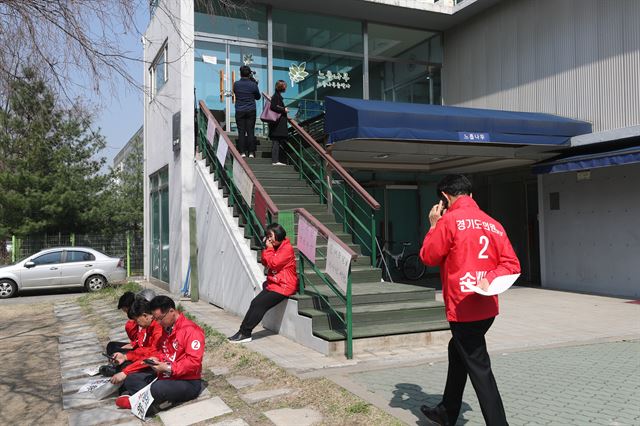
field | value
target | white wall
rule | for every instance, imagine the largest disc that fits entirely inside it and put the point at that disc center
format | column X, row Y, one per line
column 176, row 95
column 574, row 58
column 592, row 243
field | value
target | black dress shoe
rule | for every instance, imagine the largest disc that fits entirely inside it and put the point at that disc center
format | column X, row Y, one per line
column 436, row 414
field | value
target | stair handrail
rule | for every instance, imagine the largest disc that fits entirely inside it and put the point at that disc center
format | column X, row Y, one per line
column 332, row 162
column 271, row 206
column 346, row 298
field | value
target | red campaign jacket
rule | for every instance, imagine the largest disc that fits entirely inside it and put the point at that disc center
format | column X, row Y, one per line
column 147, row 345
column 183, row 348
column 282, row 275
column 131, row 327
column 468, row 245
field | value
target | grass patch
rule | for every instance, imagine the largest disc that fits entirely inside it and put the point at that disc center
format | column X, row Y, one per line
column 112, row 292
column 360, row 407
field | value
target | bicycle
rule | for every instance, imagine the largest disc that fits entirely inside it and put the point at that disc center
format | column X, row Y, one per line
column 410, row 266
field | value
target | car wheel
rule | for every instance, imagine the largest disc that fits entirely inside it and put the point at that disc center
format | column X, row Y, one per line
column 95, row 283
column 8, row 289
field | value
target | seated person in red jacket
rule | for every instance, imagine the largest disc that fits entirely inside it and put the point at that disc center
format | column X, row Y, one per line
column 131, row 327
column 146, row 345
column 282, row 281
column 178, row 365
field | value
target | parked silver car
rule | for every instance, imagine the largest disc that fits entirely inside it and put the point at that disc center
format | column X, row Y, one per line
column 61, row 267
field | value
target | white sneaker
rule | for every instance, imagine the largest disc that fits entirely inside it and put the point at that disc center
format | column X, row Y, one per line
column 251, row 156
column 278, row 164
column 243, row 156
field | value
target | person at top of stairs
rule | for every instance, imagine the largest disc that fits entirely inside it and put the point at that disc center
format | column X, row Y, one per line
column 278, row 132
column 282, row 280
column 247, row 92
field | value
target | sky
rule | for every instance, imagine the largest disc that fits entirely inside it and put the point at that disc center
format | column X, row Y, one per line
column 121, row 112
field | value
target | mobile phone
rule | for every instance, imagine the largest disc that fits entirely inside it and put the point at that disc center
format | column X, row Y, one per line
column 445, row 202
column 149, row 361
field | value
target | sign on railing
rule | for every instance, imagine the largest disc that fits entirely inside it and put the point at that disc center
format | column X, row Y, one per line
column 307, row 235
column 243, row 182
column 338, row 261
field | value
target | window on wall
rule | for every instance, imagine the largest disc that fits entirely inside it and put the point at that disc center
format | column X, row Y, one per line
column 159, row 200
column 159, row 70
column 404, row 64
column 243, row 22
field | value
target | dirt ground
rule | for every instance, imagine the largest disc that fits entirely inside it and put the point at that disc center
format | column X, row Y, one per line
column 30, row 367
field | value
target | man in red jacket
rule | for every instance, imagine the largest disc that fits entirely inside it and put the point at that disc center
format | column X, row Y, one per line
column 131, row 327
column 282, row 281
column 470, row 247
column 178, row 366
column 147, row 342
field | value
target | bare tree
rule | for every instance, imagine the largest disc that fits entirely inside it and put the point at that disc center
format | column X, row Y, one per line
column 75, row 44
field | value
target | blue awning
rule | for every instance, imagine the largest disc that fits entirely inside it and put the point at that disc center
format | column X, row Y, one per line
column 571, row 163
column 362, row 119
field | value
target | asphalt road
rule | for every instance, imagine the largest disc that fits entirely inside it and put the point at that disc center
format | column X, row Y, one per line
column 29, row 297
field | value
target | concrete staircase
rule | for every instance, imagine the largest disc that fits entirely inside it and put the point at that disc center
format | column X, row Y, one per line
column 379, row 308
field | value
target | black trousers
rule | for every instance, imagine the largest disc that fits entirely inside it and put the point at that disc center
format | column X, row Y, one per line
column 468, row 356
column 163, row 390
column 264, row 301
column 246, row 122
column 277, row 150
column 113, row 347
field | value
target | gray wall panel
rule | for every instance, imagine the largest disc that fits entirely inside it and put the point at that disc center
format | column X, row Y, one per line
column 593, row 246
column 575, row 58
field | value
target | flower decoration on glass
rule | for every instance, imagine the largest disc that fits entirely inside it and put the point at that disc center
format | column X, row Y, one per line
column 297, row 73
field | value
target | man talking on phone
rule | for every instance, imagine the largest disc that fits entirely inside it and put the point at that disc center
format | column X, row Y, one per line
column 470, row 247
column 178, row 366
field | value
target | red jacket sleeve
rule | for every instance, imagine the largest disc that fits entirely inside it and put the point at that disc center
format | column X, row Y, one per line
column 437, row 243
column 131, row 327
column 190, row 363
column 508, row 262
column 276, row 260
column 149, row 346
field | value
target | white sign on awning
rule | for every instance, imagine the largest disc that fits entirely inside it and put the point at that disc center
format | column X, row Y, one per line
column 338, row 261
column 242, row 181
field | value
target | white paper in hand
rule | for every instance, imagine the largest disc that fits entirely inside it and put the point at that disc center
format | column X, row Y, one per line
column 497, row 286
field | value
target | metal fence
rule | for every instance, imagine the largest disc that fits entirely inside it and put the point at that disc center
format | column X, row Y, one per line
column 128, row 246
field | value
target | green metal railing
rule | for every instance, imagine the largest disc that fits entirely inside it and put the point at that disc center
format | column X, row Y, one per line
column 352, row 205
column 223, row 174
column 344, row 295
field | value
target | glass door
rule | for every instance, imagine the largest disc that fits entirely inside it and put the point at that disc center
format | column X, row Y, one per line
column 217, row 66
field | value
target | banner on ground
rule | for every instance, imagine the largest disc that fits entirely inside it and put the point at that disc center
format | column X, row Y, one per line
column 242, row 182
column 306, row 239
column 221, row 152
column 338, row 262
column 141, row 401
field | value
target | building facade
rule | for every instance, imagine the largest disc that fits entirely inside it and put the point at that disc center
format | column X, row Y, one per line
column 576, row 59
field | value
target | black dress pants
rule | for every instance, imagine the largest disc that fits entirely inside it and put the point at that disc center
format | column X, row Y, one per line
column 113, row 347
column 264, row 301
column 468, row 356
column 277, row 150
column 173, row 391
column 246, row 122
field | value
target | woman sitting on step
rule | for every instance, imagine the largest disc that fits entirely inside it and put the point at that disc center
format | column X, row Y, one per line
column 282, row 280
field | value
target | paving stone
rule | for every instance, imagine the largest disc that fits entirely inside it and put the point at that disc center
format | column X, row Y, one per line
column 77, row 372
column 77, row 361
column 71, row 351
column 73, row 385
column 76, row 328
column 96, row 416
column 294, row 416
column 253, row 397
column 77, row 400
column 78, row 344
column 196, row 412
column 77, row 337
column 234, row 422
column 220, row 371
column 240, row 382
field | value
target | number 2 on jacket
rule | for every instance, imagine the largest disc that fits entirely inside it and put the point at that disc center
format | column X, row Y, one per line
column 483, row 240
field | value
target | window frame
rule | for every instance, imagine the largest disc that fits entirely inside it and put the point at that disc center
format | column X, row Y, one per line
column 161, row 57
column 60, row 252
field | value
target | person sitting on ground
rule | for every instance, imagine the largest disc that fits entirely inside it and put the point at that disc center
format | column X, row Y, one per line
column 146, row 345
column 131, row 327
column 282, row 281
column 178, row 366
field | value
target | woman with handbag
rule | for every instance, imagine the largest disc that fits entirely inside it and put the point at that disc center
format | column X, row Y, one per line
column 278, row 132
